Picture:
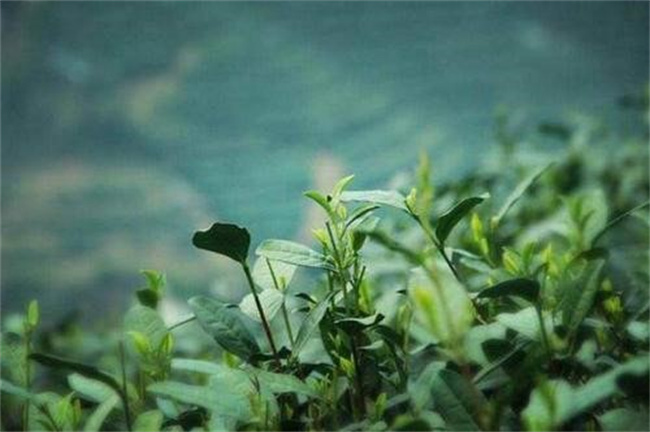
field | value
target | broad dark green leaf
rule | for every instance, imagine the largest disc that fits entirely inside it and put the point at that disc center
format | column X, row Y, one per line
column 517, row 193
column 359, row 324
column 527, row 289
column 611, row 224
column 224, row 239
column 225, row 325
column 448, row 220
column 310, row 324
column 389, row 198
column 456, row 400
column 293, row 253
column 579, row 295
column 83, row 369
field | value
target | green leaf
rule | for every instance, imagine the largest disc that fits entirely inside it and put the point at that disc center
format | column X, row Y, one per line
column 457, row 401
column 293, row 253
column 319, row 199
column 15, row 390
column 224, row 239
column 547, row 406
column 578, row 298
column 90, row 389
column 359, row 213
column 359, row 324
column 554, row 403
column 310, row 324
column 341, row 185
column 200, row 366
column 146, row 321
column 155, row 279
column 223, row 401
column 526, row 322
column 33, row 315
column 527, row 289
column 225, row 325
column 13, row 357
column 148, row 421
column 448, row 220
column 227, row 394
column 264, row 279
column 611, row 224
column 517, row 193
column 271, row 301
column 98, row 416
column 441, row 305
column 595, row 211
column 389, row 198
column 606, row 385
column 624, row 419
column 282, row 383
column 148, row 298
column 83, row 369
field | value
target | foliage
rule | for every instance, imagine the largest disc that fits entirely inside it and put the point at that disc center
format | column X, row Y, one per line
column 524, row 308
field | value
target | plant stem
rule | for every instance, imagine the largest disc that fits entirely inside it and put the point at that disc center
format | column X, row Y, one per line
column 265, row 323
column 178, row 324
column 285, row 315
column 28, row 375
column 542, row 327
column 124, row 395
column 361, row 398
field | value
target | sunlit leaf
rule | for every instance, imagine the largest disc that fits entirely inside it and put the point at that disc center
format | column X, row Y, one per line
column 148, row 421
column 264, row 279
column 388, row 198
column 441, row 305
column 271, row 301
column 293, row 253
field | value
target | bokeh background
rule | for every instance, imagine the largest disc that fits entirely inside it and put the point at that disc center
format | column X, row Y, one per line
column 126, row 126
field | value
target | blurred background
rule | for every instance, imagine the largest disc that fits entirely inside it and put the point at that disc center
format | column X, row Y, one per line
column 127, row 126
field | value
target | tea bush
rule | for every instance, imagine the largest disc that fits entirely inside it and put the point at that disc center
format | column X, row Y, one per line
column 515, row 298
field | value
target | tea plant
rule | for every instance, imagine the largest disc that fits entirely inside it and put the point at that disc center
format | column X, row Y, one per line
column 454, row 310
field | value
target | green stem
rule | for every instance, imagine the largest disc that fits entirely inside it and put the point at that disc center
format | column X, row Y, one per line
column 361, row 398
column 542, row 327
column 287, row 324
column 28, row 376
column 285, row 315
column 124, row 395
column 265, row 323
column 178, row 324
